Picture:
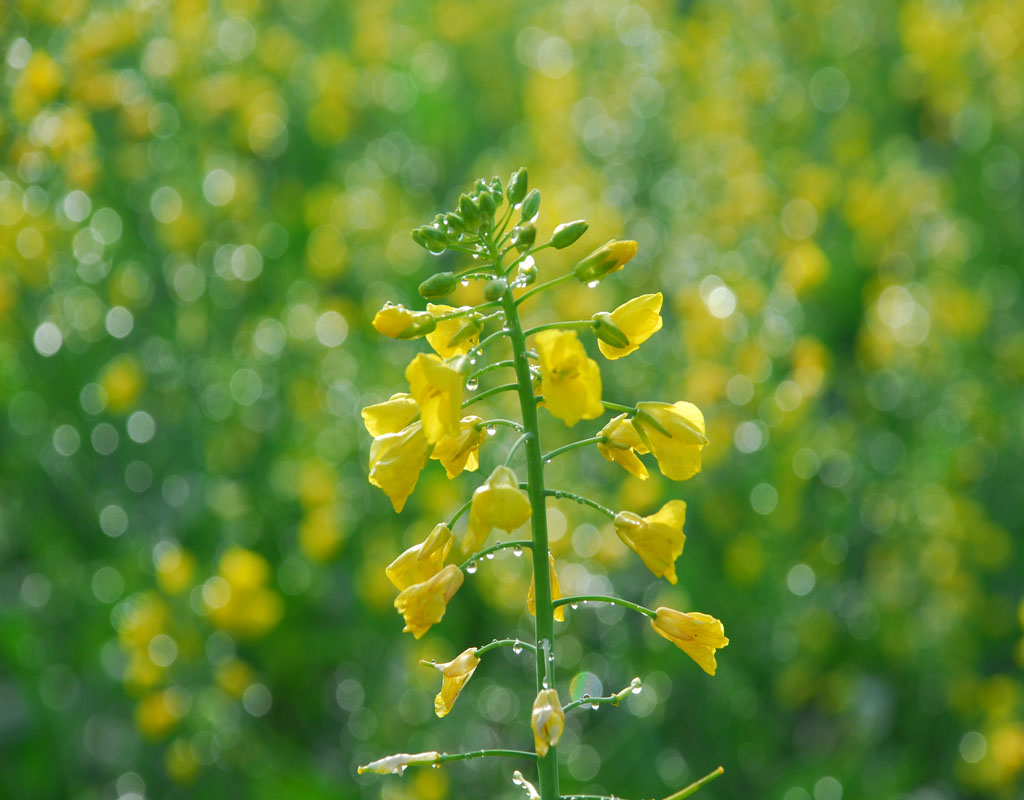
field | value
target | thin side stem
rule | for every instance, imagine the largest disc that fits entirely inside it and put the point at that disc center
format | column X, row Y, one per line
column 560, row 326
column 484, row 754
column 509, row 423
column 489, row 368
column 487, row 339
column 462, row 510
column 505, row 387
column 618, row 407
column 697, row 784
column 612, row 699
column 504, row 643
column 567, row 448
column 551, row 284
column 515, row 446
column 559, row 494
column 494, row 548
column 600, row 598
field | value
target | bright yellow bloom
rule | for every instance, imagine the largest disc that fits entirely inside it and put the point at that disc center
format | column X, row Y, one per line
column 639, row 319
column 621, row 445
column 698, row 635
column 457, row 673
column 679, row 453
column 498, row 503
column 422, row 561
column 569, row 380
column 423, row 604
column 390, row 416
column 398, row 322
column 396, row 764
column 437, row 388
column 556, row 592
column 396, row 460
column 458, row 453
column 657, row 539
column 547, row 721
column 445, row 330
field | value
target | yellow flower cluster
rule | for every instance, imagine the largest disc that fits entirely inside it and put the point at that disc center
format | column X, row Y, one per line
column 238, row 599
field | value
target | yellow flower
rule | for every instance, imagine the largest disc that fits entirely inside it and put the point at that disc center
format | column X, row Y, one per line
column 678, row 453
column 160, row 711
column 445, row 330
column 241, row 603
column 498, row 503
column 175, row 568
column 422, row 561
column 621, row 444
column 639, row 319
column 458, row 453
column 390, row 416
column 569, row 380
column 698, row 635
column 398, row 322
column 657, row 539
column 556, row 592
column 457, row 673
column 608, row 258
column 396, row 460
column 547, row 721
column 423, row 604
column 396, row 764
column 437, row 388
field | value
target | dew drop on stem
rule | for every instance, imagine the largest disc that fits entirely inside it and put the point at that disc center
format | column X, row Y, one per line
column 471, row 567
column 471, row 384
column 517, row 551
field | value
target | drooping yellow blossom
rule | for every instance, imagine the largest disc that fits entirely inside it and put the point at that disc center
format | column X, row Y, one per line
column 398, row 322
column 396, row 764
column 698, row 635
column 498, row 503
column 639, row 319
column 547, row 721
column 657, row 539
column 390, row 416
column 569, row 380
column 422, row 561
column 621, row 444
column 608, row 258
column 424, row 604
column 396, row 460
column 460, row 452
column 440, row 337
column 556, row 592
column 678, row 454
column 437, row 388
column 457, row 673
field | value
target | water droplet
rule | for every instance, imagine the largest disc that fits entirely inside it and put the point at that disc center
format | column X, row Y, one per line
column 489, row 556
column 490, row 430
column 551, row 656
column 472, row 361
column 574, row 606
column 585, row 696
column 471, row 567
column 544, row 684
column 464, row 282
column 471, row 384
column 592, row 284
column 635, row 687
column 547, row 460
column 517, row 648
column 436, row 766
column 517, row 551
column 595, row 706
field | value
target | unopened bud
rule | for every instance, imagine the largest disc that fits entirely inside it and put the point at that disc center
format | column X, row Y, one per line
column 567, row 233
column 487, row 205
column 517, row 186
column 440, row 285
column 436, row 239
column 607, row 331
column 523, row 236
column 609, row 257
column 470, row 211
column 495, row 288
column 531, row 205
column 455, row 221
column 473, row 326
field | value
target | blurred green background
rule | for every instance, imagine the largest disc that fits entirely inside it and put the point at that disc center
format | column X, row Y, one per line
column 202, row 205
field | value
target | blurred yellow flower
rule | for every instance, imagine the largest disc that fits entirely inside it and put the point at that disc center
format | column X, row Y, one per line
column 175, row 568
column 639, row 319
column 390, row 416
column 497, row 503
column 457, row 673
column 396, row 460
column 556, row 592
column 460, row 452
column 234, row 677
column 396, row 764
column 569, row 380
column 437, row 387
column 157, row 713
column 424, row 604
column 547, row 720
column 180, row 762
column 245, row 607
column 678, row 454
column 320, row 533
column 422, row 561
column 621, row 444
column 698, row 635
column 122, row 381
column 658, row 539
column 445, row 330
column 398, row 322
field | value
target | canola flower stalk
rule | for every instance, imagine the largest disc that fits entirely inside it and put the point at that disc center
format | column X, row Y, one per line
column 557, row 374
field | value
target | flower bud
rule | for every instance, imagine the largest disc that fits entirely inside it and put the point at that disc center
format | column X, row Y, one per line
column 517, row 186
column 531, row 205
column 398, row 322
column 470, row 212
column 436, row 241
column 455, row 221
column 567, row 233
column 524, row 235
column 497, row 191
column 473, row 326
column 495, row 288
column 527, row 274
column 609, row 257
column 439, row 285
column 607, row 331
column 487, row 206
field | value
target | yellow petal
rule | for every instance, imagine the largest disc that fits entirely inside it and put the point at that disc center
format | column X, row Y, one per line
column 657, row 539
column 396, row 460
column 556, row 592
column 679, row 453
column 424, row 604
column 639, row 319
column 696, row 634
column 421, row 561
column 458, row 453
column 570, row 380
column 547, row 721
column 498, row 503
column 457, row 673
column 437, row 388
column 445, row 330
column 390, row 416
column 621, row 445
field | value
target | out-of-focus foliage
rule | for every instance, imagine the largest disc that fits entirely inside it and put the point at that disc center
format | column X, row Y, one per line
column 202, row 205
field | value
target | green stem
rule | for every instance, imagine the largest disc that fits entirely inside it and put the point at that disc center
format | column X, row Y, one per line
column 697, row 784
column 618, row 407
column 515, row 447
column 486, row 340
column 486, row 423
column 561, row 326
column 505, row 387
column 600, row 598
column 612, row 699
column 494, row 548
column 573, row 446
column 484, row 754
column 551, row 284
column 462, row 510
column 489, row 368
column 547, row 767
column 505, row 643
column 559, row 494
